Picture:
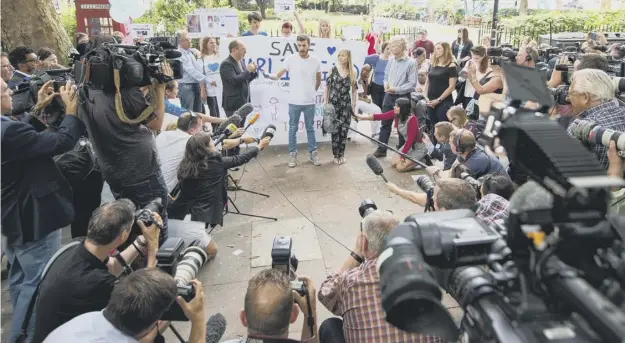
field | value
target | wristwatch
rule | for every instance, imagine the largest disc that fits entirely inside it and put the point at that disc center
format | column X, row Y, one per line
column 357, row 257
column 241, row 141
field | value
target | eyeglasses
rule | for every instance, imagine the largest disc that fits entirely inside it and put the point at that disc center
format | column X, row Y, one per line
column 31, row 60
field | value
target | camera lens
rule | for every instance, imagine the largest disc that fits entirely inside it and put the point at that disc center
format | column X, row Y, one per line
column 192, row 260
column 425, row 183
column 366, row 207
column 468, row 283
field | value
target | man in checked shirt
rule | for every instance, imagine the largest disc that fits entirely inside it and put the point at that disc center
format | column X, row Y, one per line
column 353, row 292
column 592, row 98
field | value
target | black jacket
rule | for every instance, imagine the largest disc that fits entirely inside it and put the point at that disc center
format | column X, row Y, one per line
column 36, row 198
column 466, row 49
column 204, row 197
column 236, row 84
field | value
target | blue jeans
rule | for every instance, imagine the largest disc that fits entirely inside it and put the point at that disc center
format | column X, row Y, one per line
column 27, row 263
column 309, row 120
column 189, row 94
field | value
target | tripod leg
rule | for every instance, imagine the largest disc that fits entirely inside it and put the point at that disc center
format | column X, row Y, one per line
column 252, row 192
column 247, row 214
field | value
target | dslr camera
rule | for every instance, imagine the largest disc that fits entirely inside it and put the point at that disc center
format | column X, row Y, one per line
column 283, row 259
column 427, row 185
column 145, row 215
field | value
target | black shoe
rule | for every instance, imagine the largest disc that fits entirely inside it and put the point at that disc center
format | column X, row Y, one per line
column 379, row 153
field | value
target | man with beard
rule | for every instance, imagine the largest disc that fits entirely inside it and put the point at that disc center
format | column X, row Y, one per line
column 305, row 78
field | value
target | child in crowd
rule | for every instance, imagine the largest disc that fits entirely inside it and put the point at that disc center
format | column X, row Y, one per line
column 254, row 19
column 442, row 150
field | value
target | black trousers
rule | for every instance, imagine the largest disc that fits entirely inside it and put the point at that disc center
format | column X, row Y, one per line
column 387, row 125
column 331, row 331
column 377, row 94
column 213, row 108
column 87, row 197
column 438, row 114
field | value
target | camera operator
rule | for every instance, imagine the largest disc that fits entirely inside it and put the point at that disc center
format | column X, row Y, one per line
column 36, row 198
column 592, row 97
column 271, row 305
column 527, row 56
column 81, row 279
column 493, row 206
column 353, row 292
column 126, row 153
column 448, row 194
column 587, row 61
column 202, row 179
column 133, row 312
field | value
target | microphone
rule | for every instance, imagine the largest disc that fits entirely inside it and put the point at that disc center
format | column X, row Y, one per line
column 230, row 129
column 245, row 110
column 253, row 120
column 233, row 119
column 270, row 131
column 171, row 54
column 215, row 328
column 375, row 166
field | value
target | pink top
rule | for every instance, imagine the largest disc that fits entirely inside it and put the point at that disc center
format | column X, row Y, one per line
column 413, row 128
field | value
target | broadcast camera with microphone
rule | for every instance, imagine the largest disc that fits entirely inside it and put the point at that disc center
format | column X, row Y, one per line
column 233, row 119
column 375, row 166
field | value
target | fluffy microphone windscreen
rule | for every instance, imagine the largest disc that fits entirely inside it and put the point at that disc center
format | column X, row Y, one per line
column 374, row 164
column 530, row 196
column 254, row 118
column 172, row 54
column 244, row 110
column 234, row 119
column 215, row 328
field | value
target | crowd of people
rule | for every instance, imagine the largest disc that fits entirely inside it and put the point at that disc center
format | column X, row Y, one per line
column 435, row 95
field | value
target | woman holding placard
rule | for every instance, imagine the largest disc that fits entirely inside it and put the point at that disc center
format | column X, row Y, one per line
column 210, row 66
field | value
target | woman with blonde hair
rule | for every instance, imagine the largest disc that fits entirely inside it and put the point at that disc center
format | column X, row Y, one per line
column 325, row 30
column 210, row 67
column 441, row 82
column 341, row 92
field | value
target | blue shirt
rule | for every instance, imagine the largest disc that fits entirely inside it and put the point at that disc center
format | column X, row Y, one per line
column 174, row 109
column 480, row 164
column 378, row 72
column 249, row 33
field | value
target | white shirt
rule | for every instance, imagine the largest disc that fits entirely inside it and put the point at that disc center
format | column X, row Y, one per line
column 210, row 68
column 171, row 146
column 87, row 328
column 303, row 78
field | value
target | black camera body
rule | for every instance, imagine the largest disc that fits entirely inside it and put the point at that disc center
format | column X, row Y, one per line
column 282, row 257
column 175, row 313
column 145, row 215
column 26, row 96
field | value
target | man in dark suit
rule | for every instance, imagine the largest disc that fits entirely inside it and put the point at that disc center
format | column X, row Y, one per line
column 236, row 78
column 36, row 198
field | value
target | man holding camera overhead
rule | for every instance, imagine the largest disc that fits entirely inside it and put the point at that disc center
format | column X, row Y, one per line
column 81, row 278
column 353, row 292
column 36, row 198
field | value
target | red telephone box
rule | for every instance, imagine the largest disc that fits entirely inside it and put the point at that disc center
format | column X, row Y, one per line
column 92, row 17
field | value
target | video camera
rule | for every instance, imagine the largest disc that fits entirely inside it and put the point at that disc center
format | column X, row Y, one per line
column 548, row 275
column 26, row 96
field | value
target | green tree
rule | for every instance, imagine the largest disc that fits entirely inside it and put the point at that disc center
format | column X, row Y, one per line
column 68, row 19
column 170, row 14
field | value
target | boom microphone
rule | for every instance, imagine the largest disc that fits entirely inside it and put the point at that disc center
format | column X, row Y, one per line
column 375, row 166
column 245, row 110
column 270, row 131
column 252, row 120
column 215, row 328
column 233, row 119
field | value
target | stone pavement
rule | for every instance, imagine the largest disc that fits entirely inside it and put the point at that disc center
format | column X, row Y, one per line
column 326, row 195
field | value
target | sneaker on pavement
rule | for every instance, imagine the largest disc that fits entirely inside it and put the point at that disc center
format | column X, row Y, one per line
column 379, row 153
column 314, row 158
column 293, row 160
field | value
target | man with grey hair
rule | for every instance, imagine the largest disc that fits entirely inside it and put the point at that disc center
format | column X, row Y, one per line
column 192, row 75
column 592, row 95
column 353, row 292
column 81, row 279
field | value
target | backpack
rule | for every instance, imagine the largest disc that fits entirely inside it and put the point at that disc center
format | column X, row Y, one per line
column 330, row 121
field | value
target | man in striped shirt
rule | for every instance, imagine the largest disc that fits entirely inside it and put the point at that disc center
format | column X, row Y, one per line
column 400, row 79
column 354, row 292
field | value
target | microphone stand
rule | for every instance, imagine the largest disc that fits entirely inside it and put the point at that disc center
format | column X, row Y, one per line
column 384, row 145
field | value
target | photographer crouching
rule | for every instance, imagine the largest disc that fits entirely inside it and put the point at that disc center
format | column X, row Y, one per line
column 36, row 198
column 81, row 278
column 122, row 122
column 353, row 292
column 134, row 311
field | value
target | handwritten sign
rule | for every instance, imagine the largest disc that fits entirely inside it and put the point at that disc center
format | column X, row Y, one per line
column 212, row 22
column 352, row 32
column 381, row 25
column 270, row 98
column 138, row 31
column 283, row 6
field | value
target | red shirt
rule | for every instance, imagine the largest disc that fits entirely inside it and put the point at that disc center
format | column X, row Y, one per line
column 370, row 37
column 425, row 44
column 413, row 129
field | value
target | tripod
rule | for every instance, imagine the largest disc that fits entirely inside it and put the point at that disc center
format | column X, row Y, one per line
column 236, row 209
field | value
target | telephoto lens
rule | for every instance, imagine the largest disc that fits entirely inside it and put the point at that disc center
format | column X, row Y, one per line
column 193, row 258
column 425, row 183
column 366, row 207
column 472, row 181
column 589, row 132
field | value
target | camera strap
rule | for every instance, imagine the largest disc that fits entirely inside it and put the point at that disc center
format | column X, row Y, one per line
column 33, row 300
column 119, row 108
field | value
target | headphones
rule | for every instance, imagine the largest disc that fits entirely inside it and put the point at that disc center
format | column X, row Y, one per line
column 459, row 147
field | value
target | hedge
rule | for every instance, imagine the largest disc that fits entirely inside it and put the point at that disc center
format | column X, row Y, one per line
column 573, row 21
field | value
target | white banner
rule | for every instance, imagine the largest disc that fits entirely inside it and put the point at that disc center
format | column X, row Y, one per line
column 284, row 6
column 212, row 22
column 270, row 98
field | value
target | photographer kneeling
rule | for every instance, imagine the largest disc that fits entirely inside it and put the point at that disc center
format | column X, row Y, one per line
column 353, row 292
column 81, row 279
column 447, row 194
column 133, row 312
column 202, row 179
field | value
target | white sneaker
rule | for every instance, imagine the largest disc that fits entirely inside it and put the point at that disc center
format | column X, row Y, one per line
column 293, row 160
column 314, row 158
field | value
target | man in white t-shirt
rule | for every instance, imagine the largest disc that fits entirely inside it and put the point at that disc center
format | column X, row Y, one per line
column 305, row 78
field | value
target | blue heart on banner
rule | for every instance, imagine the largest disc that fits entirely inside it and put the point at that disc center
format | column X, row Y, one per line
column 213, row 66
column 331, row 50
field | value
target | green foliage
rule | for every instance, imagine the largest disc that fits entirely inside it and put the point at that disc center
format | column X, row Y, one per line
column 561, row 21
column 396, row 10
column 243, row 24
column 68, row 19
column 172, row 14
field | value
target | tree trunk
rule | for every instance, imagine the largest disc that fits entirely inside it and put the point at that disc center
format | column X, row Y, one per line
column 523, row 7
column 36, row 24
column 262, row 7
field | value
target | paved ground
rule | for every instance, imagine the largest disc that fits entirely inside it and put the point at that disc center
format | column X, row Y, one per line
column 327, row 195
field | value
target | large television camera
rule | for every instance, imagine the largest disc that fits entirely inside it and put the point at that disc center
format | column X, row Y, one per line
column 26, row 96
column 553, row 273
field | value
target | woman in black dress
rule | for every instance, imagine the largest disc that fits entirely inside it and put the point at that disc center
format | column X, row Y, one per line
column 440, row 83
column 341, row 92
